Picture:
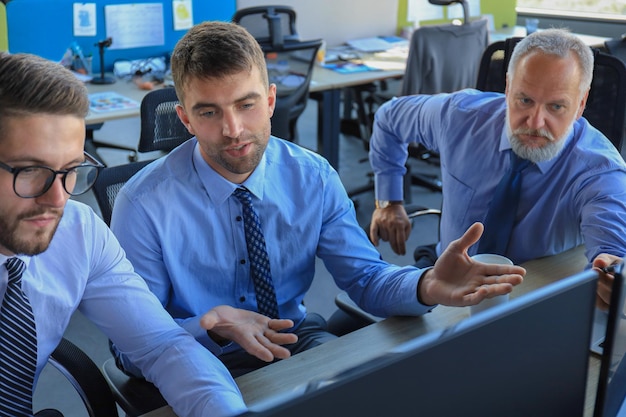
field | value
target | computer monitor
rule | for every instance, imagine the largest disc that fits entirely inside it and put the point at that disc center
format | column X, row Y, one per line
column 528, row 357
column 611, row 393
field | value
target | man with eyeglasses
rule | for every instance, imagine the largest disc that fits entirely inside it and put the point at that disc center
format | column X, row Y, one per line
column 57, row 255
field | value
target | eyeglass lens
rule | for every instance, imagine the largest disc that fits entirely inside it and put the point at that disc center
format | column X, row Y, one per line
column 35, row 181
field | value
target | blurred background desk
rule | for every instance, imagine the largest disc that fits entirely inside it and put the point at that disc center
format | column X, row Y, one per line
column 325, row 88
column 373, row 341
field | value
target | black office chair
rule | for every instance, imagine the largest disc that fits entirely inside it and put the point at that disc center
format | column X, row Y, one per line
column 289, row 60
column 270, row 25
column 110, row 181
column 92, row 144
column 606, row 104
column 161, row 129
column 86, row 378
column 134, row 395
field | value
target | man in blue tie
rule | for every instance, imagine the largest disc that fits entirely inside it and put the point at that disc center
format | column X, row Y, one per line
column 572, row 191
column 234, row 218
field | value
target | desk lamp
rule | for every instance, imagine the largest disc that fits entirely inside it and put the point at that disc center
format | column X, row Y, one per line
column 102, row 79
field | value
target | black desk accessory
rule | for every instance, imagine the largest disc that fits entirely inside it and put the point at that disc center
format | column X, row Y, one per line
column 102, row 79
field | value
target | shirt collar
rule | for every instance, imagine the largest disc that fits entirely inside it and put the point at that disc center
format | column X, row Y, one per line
column 218, row 188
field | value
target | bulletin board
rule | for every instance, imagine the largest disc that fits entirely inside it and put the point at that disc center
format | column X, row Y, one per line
column 46, row 28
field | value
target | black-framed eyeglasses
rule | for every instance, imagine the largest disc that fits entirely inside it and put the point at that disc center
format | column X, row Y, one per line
column 35, row 180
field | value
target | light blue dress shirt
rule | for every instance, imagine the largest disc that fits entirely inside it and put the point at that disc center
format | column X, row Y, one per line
column 177, row 221
column 577, row 197
column 85, row 268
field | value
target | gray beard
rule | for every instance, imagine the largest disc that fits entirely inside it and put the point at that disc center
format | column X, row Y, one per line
column 535, row 155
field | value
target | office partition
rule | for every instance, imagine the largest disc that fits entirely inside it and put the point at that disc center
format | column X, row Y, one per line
column 46, row 28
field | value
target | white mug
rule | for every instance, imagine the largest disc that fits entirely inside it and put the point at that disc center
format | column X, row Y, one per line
column 490, row 258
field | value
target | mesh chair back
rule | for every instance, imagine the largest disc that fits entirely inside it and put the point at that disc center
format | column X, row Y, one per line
column 110, row 181
column 161, row 129
column 606, row 104
column 291, row 69
column 270, row 25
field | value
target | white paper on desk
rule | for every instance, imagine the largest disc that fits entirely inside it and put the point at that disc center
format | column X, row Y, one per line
column 135, row 25
column 374, row 44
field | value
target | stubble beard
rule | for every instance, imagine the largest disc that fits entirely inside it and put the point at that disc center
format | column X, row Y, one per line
column 16, row 241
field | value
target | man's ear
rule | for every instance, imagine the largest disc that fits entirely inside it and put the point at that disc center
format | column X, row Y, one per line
column 271, row 99
column 182, row 115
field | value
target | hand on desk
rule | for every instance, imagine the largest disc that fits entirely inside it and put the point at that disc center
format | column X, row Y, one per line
column 255, row 333
column 605, row 283
column 457, row 280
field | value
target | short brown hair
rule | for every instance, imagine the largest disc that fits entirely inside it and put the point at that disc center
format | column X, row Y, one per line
column 30, row 84
column 215, row 49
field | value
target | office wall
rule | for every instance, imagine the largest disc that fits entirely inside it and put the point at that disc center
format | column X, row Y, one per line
column 337, row 21
column 503, row 12
column 4, row 39
column 45, row 28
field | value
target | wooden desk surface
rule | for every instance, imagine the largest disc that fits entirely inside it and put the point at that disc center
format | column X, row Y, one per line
column 372, row 341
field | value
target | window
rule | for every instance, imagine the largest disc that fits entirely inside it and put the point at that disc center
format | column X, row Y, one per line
column 588, row 8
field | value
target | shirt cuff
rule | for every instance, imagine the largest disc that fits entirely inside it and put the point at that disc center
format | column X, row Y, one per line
column 389, row 187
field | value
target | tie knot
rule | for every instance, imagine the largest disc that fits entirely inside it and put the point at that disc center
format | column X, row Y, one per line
column 518, row 164
column 243, row 195
column 15, row 267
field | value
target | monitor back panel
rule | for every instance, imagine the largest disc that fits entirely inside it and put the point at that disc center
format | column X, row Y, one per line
column 525, row 358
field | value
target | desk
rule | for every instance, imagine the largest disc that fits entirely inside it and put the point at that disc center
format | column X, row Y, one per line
column 370, row 342
column 325, row 87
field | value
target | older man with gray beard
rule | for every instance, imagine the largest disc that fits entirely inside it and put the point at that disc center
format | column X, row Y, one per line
column 573, row 185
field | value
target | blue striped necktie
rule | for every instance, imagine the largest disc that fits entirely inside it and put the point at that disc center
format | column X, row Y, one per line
column 502, row 211
column 18, row 347
column 257, row 254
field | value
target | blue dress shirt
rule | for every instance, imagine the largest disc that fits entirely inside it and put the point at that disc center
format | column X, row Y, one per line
column 578, row 196
column 85, row 268
column 177, row 221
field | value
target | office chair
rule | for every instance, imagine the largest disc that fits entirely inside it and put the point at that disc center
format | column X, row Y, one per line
column 349, row 316
column 161, row 129
column 289, row 60
column 92, row 144
column 110, row 181
column 85, row 376
column 134, row 395
column 270, row 25
column 606, row 104
column 442, row 58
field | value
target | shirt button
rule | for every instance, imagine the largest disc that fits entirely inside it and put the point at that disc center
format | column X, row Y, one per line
column 242, row 298
column 242, row 261
column 238, row 218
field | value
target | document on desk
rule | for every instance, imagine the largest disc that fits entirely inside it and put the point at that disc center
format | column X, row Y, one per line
column 110, row 101
column 349, row 67
column 374, row 44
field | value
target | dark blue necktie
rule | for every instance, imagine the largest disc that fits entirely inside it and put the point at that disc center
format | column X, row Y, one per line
column 257, row 254
column 503, row 209
column 18, row 347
